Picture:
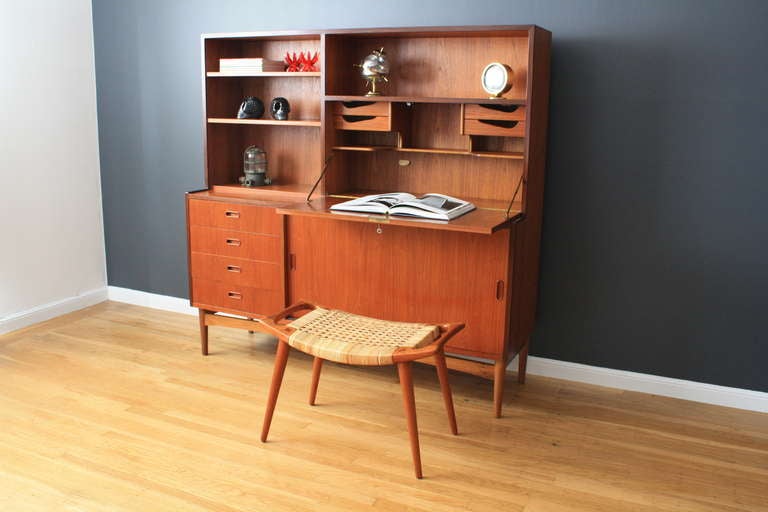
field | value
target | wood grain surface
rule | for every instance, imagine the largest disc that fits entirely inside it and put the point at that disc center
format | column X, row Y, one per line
column 114, row 409
column 433, row 130
column 399, row 275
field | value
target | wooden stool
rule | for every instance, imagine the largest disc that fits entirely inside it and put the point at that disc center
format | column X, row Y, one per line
column 353, row 339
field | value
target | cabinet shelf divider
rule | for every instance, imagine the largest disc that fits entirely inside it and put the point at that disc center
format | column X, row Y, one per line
column 516, row 155
column 272, row 122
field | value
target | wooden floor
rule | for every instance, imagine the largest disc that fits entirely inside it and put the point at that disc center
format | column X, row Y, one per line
column 113, row 408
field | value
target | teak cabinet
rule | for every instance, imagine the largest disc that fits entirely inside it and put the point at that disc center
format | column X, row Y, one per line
column 253, row 251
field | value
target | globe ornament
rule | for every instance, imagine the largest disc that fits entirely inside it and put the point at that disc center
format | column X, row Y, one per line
column 374, row 69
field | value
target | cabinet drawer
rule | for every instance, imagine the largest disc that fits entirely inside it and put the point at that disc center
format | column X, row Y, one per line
column 494, row 127
column 235, row 244
column 256, row 274
column 239, row 217
column 494, row 111
column 362, row 108
column 216, row 296
column 361, row 122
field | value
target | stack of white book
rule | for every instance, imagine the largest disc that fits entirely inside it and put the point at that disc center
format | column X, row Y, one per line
column 255, row 65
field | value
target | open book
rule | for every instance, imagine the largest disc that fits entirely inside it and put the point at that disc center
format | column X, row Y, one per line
column 429, row 206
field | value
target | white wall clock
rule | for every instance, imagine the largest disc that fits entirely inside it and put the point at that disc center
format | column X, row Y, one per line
column 496, row 79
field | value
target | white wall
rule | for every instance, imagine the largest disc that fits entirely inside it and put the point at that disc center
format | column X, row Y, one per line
column 51, row 232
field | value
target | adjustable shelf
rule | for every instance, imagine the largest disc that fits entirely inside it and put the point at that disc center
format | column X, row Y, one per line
column 289, row 192
column 299, row 122
column 517, row 155
column 427, row 99
column 295, row 74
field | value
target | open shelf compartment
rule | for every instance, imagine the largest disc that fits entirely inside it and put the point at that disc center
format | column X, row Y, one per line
column 435, row 64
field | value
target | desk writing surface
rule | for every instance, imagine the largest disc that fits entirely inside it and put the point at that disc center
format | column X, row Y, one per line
column 480, row 220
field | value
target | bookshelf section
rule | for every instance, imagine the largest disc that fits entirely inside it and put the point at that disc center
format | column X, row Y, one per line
column 433, row 125
column 233, row 72
column 292, row 153
column 440, row 64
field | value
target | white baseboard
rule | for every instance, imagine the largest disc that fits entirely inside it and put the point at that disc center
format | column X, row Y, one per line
column 653, row 384
column 51, row 310
column 150, row 300
column 631, row 381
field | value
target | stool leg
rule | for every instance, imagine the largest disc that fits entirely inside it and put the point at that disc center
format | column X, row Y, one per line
column 406, row 384
column 317, row 365
column 442, row 375
column 203, row 332
column 274, row 389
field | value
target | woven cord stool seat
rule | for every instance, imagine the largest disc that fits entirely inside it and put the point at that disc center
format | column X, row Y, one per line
column 342, row 337
column 346, row 338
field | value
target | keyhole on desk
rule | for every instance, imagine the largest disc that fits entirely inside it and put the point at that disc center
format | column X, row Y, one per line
column 378, row 229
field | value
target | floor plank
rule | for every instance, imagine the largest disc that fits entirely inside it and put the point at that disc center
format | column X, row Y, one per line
column 113, row 408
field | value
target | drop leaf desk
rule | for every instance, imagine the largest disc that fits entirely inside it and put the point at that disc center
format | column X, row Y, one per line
column 252, row 251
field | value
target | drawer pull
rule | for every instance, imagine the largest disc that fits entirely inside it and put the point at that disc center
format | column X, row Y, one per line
column 355, row 104
column 233, row 268
column 357, row 119
column 500, row 108
column 499, row 289
column 500, row 124
column 235, row 295
column 233, row 242
column 232, row 214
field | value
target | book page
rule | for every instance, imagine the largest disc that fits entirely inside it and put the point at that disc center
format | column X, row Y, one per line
column 377, row 203
column 440, row 202
column 433, row 206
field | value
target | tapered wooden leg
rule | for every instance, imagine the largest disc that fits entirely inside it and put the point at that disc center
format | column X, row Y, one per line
column 442, row 375
column 203, row 332
column 409, row 404
column 250, row 332
column 317, row 365
column 499, row 371
column 274, row 389
column 522, row 360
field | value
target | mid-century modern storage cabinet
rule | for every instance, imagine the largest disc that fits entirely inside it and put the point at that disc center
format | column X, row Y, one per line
column 433, row 129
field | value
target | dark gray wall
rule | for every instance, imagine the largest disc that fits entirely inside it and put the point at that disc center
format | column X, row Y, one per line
column 655, row 221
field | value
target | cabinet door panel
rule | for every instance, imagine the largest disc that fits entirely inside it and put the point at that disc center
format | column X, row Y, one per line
column 405, row 274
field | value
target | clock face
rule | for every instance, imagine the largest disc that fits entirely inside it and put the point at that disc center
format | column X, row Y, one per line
column 496, row 78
